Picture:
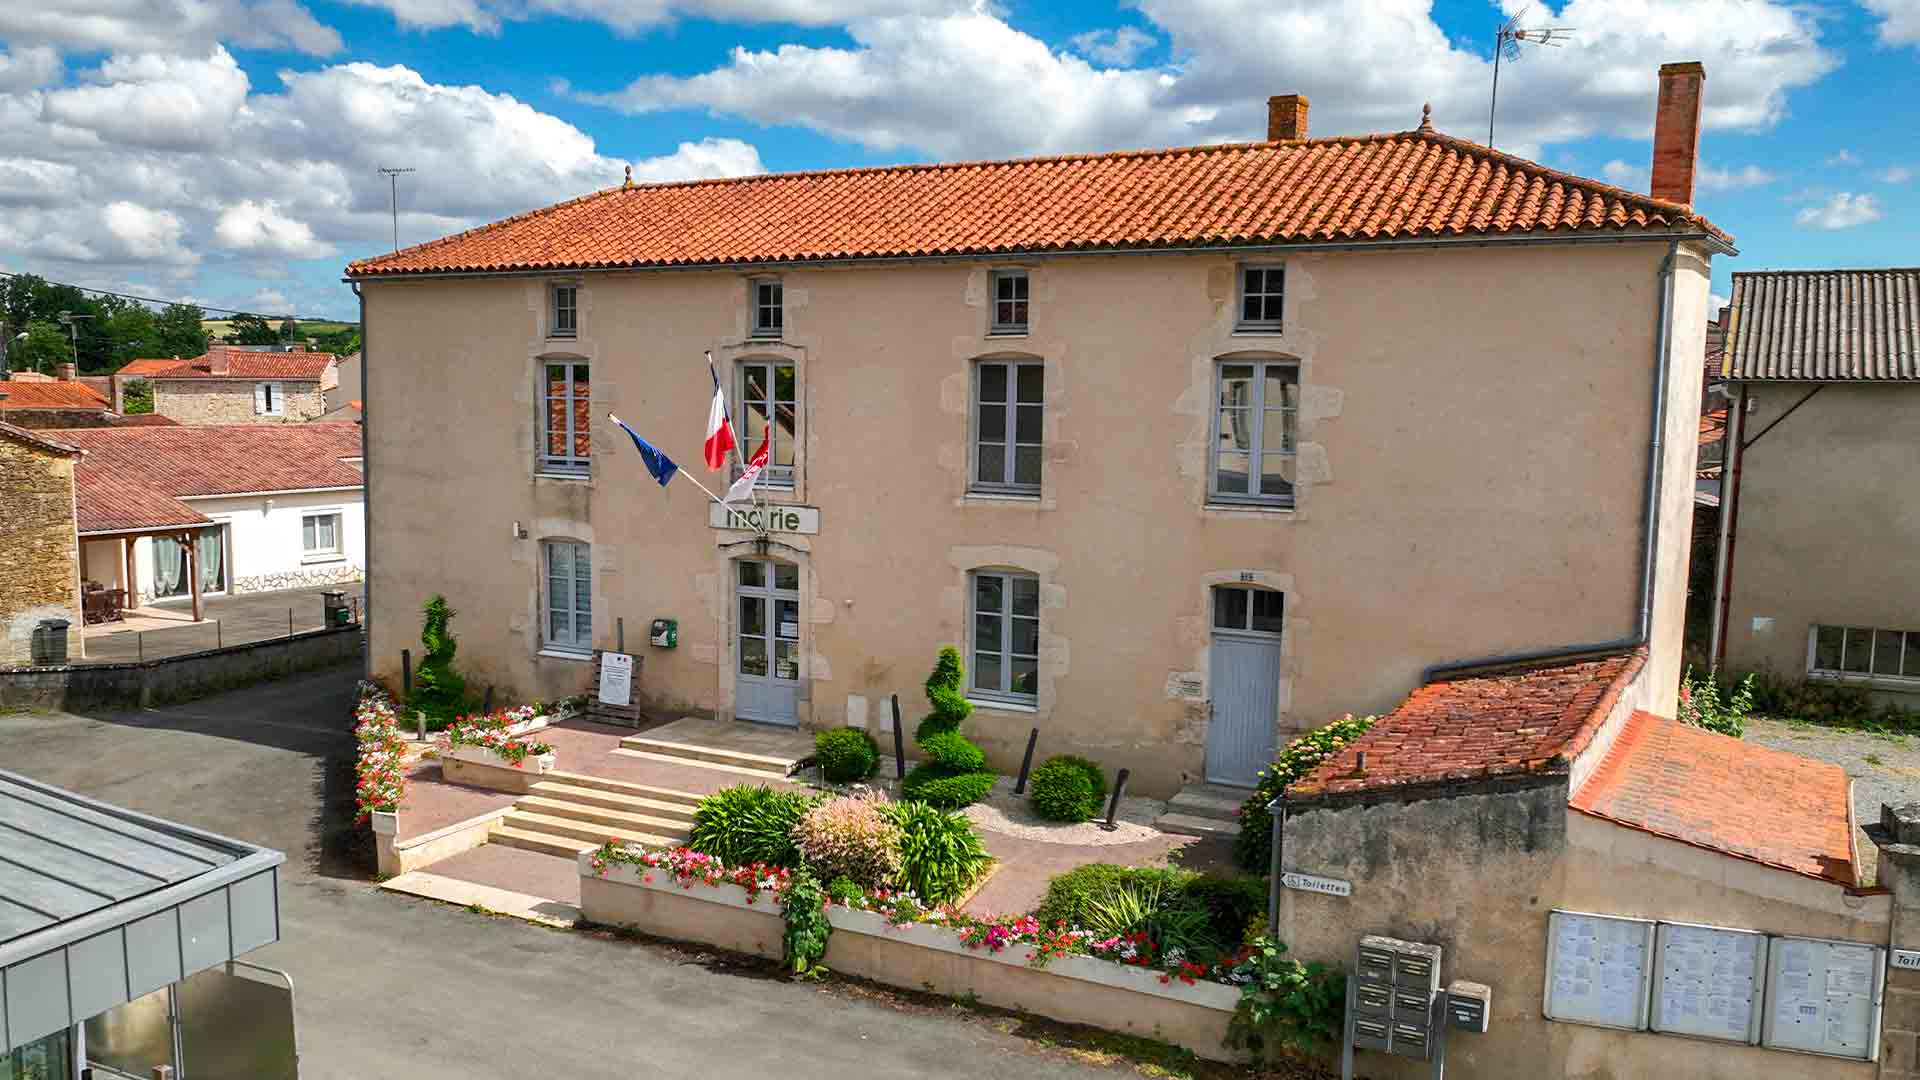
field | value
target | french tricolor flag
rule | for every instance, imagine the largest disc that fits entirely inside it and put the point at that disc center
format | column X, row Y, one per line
column 719, row 429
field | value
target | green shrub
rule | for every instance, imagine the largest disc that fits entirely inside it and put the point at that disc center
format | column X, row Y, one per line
column 849, row 837
column 1070, row 895
column 1253, row 846
column 1090, row 895
column 953, row 750
column 1703, row 706
column 438, row 690
column 803, row 913
column 1815, row 701
column 844, row 891
column 846, row 755
column 940, row 853
column 1233, row 905
column 936, row 785
column 947, row 691
column 1170, row 919
column 1068, row 788
column 1285, row 1004
column 748, row 823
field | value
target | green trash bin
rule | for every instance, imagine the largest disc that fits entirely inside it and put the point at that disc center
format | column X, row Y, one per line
column 336, row 609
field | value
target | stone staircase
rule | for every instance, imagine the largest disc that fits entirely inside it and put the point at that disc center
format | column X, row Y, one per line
column 1203, row 810
column 567, row 813
column 743, row 763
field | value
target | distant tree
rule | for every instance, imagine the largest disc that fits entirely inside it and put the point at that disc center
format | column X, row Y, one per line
column 289, row 331
column 179, row 330
column 44, row 347
column 252, row 330
column 129, row 333
column 339, row 342
column 137, row 397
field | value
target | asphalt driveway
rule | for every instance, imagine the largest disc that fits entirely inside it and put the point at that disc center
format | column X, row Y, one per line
column 390, row 986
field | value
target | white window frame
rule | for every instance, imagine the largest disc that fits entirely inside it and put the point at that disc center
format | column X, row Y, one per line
column 766, row 319
column 1017, row 282
column 774, row 476
column 1009, row 442
column 321, row 554
column 1907, row 678
column 1267, row 323
column 568, row 464
column 269, row 398
column 1256, row 452
column 1006, row 617
column 556, row 291
column 570, row 641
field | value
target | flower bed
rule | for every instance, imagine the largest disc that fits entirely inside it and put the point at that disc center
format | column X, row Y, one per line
column 382, row 763
column 498, row 739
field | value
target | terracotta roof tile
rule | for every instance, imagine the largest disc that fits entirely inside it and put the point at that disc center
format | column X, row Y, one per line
column 1519, row 721
column 16, row 394
column 250, row 364
column 38, row 439
column 147, row 365
column 1716, row 792
column 1416, row 184
column 132, row 476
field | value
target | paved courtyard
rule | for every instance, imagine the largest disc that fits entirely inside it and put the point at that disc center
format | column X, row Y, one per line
column 1884, row 768
column 390, row 986
column 168, row 629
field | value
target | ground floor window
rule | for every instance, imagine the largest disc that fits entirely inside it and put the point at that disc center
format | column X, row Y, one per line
column 1006, row 636
column 170, row 566
column 1864, row 651
column 569, row 596
column 50, row 1058
column 320, row 534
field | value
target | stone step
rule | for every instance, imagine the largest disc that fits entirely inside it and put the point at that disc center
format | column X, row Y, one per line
column 546, row 844
column 591, row 832
column 613, row 800
column 672, row 828
column 699, row 763
column 740, row 759
column 1189, row 825
column 620, row 787
column 1208, row 803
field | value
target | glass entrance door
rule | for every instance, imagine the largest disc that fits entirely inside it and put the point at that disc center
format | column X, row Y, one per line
column 767, row 641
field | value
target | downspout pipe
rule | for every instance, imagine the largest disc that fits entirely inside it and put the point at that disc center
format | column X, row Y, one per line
column 1650, row 507
column 366, row 493
column 1730, row 463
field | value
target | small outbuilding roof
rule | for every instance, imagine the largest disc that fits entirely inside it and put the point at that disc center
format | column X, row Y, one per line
column 1715, row 792
column 1825, row 326
column 231, row 362
column 20, row 394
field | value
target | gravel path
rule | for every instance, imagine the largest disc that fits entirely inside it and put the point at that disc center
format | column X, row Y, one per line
column 1884, row 768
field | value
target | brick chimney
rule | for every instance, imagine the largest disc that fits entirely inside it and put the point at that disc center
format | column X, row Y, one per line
column 1286, row 117
column 217, row 360
column 1676, row 131
column 65, row 372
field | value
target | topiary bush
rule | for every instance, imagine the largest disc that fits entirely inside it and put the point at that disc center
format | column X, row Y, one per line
column 938, row 786
column 850, row 838
column 953, row 750
column 1068, row 788
column 749, row 823
column 846, row 755
column 1253, row 847
column 941, row 856
column 947, row 691
column 955, row 773
column 438, row 690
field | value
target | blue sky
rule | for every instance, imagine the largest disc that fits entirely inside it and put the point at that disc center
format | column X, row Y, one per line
column 226, row 150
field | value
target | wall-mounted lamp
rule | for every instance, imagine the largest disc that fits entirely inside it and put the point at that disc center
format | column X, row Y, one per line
column 519, row 531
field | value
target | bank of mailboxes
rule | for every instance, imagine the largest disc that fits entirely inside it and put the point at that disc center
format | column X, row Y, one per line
column 1395, row 986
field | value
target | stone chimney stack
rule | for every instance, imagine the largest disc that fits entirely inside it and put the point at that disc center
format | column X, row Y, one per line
column 66, row 372
column 1676, row 131
column 217, row 360
column 1286, row 117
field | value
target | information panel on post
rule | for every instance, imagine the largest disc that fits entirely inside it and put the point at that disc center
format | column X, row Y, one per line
column 1824, row 996
column 1708, row 982
column 1599, row 969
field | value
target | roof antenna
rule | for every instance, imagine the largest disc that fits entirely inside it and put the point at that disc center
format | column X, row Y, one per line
column 393, row 198
column 1507, row 42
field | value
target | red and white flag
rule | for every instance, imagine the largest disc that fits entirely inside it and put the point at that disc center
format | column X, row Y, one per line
column 719, row 429
column 744, row 486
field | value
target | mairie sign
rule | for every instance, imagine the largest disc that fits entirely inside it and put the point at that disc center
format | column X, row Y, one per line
column 772, row 518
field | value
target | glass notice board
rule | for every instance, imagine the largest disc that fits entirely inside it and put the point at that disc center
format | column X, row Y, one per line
column 1708, row 981
column 1599, row 969
column 1824, row 996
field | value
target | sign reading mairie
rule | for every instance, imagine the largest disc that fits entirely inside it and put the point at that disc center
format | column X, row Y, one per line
column 773, row 518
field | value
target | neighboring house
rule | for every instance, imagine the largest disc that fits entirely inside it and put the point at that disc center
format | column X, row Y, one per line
column 40, row 573
column 261, row 506
column 31, row 400
column 1819, row 568
column 346, row 388
column 233, row 384
column 1185, row 449
column 137, row 371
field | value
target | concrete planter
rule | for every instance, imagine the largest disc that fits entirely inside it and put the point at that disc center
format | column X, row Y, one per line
column 1076, row 989
column 534, row 764
column 476, row 766
column 386, row 822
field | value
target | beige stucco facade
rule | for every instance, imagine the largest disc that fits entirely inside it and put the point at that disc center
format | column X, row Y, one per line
column 232, row 401
column 1828, row 529
column 1472, row 445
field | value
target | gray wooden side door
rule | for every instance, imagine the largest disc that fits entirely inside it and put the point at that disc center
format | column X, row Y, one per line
column 1246, row 685
column 766, row 685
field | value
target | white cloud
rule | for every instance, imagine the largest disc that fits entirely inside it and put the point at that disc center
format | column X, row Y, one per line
column 26, row 67
column 1714, row 303
column 1844, row 211
column 1117, row 47
column 1620, row 174
column 145, row 233
column 1842, row 156
column 1712, row 179
column 633, row 16
column 1900, row 20
column 162, row 102
column 706, row 159
column 165, row 26
column 261, row 227
column 1898, row 174
column 271, row 301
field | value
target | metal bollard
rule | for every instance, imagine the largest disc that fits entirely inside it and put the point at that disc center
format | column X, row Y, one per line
column 620, row 634
column 406, row 674
column 289, row 622
column 899, row 743
column 1113, row 806
column 1026, row 763
column 219, row 642
column 486, row 703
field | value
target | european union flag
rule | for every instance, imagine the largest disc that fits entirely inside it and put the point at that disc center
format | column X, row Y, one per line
column 659, row 464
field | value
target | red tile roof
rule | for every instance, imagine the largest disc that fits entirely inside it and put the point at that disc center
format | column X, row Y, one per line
column 1510, row 723
column 1716, row 792
column 147, row 365
column 38, row 439
column 1415, row 184
column 132, row 476
column 15, row 394
column 250, row 364
column 144, row 420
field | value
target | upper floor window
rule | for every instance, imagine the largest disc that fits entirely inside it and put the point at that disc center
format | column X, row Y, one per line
column 769, row 307
column 1253, row 432
column 566, row 418
column 1008, row 396
column 1261, row 291
column 767, row 411
column 568, row 597
column 1009, row 302
column 1006, row 636
column 268, row 400
column 1240, row 607
column 564, row 301
column 1864, row 652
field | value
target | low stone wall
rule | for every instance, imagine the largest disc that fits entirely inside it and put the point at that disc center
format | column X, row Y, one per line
column 396, row 856
column 176, row 678
column 1075, row 989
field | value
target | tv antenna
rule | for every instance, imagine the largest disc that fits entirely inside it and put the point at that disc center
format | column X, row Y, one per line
column 393, row 196
column 1506, row 45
